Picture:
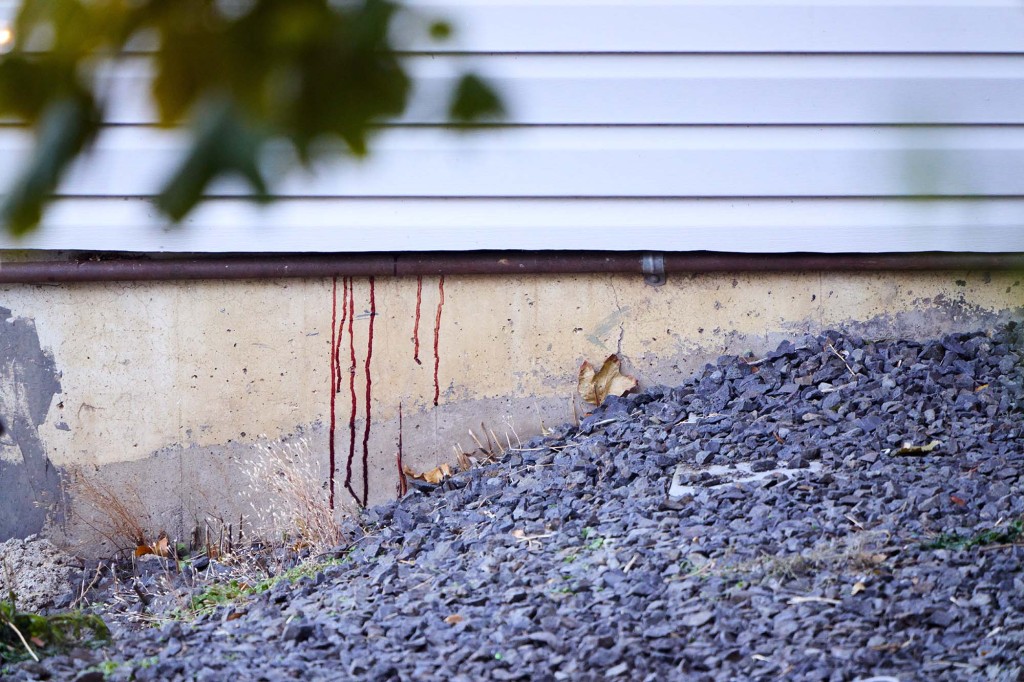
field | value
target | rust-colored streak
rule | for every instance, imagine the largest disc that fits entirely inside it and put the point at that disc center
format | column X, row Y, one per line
column 341, row 326
column 403, row 483
column 416, row 324
column 437, row 337
column 334, row 385
column 369, row 384
column 351, row 391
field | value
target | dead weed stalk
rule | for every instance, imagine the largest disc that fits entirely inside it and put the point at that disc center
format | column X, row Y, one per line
column 488, row 449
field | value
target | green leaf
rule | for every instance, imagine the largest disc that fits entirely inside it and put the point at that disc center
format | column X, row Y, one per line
column 69, row 25
column 440, row 30
column 64, row 130
column 182, row 68
column 223, row 145
column 474, row 100
column 26, row 86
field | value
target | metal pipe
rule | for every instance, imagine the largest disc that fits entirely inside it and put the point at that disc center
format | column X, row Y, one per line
column 844, row 262
column 114, row 267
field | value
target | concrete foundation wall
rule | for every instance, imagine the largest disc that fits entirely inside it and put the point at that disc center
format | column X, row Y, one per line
column 163, row 390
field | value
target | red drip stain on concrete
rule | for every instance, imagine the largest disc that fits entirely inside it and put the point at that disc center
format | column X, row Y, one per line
column 341, row 327
column 403, row 483
column 369, row 384
column 416, row 324
column 351, row 391
column 437, row 337
column 334, row 382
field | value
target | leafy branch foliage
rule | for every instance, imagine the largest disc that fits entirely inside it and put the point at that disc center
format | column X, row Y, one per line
column 242, row 73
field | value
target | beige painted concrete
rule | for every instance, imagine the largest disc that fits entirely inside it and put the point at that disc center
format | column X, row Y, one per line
column 167, row 386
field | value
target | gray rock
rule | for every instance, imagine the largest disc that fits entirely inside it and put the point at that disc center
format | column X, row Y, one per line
column 695, row 620
column 36, row 571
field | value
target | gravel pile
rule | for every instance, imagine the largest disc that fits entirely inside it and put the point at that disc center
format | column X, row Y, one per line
column 840, row 509
column 36, row 571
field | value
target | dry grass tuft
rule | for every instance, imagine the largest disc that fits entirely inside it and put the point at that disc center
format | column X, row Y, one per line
column 858, row 552
column 119, row 515
column 288, row 490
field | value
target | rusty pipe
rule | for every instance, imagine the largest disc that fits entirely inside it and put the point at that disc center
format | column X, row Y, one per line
column 118, row 268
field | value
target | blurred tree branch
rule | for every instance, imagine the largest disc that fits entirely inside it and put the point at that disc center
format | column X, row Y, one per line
column 240, row 73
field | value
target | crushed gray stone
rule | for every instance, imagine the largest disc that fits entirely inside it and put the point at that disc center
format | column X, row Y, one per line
column 844, row 509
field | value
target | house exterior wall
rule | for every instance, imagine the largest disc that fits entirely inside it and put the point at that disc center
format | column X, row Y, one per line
column 759, row 127
column 814, row 125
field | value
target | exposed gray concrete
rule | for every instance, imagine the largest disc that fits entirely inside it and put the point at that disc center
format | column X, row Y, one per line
column 28, row 382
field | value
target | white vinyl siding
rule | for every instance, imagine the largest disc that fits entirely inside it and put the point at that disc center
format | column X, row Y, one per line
column 730, row 225
column 864, row 126
column 687, row 89
column 632, row 162
column 713, row 26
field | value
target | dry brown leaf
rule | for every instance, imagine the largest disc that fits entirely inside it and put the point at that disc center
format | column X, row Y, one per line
column 596, row 385
column 162, row 547
column 434, row 476
column 585, row 383
column 438, row 474
column 453, row 619
column 858, row 587
column 611, row 381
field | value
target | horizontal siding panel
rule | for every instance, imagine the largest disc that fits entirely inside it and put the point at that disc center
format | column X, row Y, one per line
column 666, row 26
column 708, row 26
column 594, row 162
column 696, row 89
column 339, row 225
